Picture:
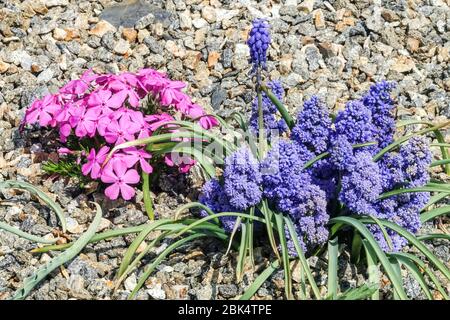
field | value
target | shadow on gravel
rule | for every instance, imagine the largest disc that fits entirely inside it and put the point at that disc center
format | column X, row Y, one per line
column 131, row 11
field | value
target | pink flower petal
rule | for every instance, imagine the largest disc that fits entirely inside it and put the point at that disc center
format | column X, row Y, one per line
column 126, row 191
column 112, row 191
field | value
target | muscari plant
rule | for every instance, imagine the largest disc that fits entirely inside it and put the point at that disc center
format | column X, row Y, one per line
column 312, row 186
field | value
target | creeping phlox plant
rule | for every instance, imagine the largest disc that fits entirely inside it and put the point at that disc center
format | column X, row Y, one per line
column 99, row 111
column 355, row 181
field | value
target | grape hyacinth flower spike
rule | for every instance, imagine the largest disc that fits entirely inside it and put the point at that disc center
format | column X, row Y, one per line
column 258, row 43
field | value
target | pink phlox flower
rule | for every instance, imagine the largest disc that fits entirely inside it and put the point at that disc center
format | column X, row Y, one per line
column 64, row 151
column 120, row 177
column 121, row 131
column 183, row 162
column 144, row 127
column 95, row 161
column 84, row 120
column 75, row 87
column 140, row 155
column 64, row 131
column 154, row 81
column 43, row 111
column 124, row 87
column 104, row 99
column 157, row 120
column 63, row 114
column 207, row 122
column 171, row 92
column 89, row 76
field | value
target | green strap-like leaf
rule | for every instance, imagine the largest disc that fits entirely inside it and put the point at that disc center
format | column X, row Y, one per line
column 333, row 253
column 281, row 108
column 302, row 258
column 372, row 269
column 415, row 273
column 435, row 199
column 429, row 215
column 412, row 190
column 135, row 245
column 148, row 203
column 366, row 234
column 161, row 257
column 403, row 139
column 30, row 282
column 259, row 281
column 284, row 255
column 434, row 236
column 40, row 194
column 25, row 235
column 415, row 242
column 427, row 270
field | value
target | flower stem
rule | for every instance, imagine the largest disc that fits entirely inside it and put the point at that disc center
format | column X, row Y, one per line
column 261, row 129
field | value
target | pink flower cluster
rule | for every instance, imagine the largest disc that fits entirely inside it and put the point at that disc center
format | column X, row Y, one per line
column 106, row 108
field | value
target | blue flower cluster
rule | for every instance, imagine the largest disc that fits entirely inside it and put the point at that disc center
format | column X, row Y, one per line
column 213, row 196
column 239, row 190
column 406, row 169
column 259, row 42
column 242, row 179
column 272, row 125
column 347, row 182
column 378, row 100
column 290, row 188
column 313, row 126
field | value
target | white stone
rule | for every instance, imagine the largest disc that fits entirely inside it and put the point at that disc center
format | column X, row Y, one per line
column 122, row 46
column 130, row 283
column 55, row 3
column 157, row 292
column 45, row 76
column 199, row 23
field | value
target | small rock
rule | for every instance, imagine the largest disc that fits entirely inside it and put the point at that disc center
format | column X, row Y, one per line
column 389, row 15
column 412, row 44
column 122, row 47
column 286, row 64
column 3, row 67
column 45, row 76
column 319, row 19
column 213, row 58
column 218, row 97
column 180, row 292
column 199, row 23
column 307, row 6
column 174, row 49
column 22, row 58
column 76, row 283
column 129, row 34
column 205, row 293
column 157, row 292
column 55, row 3
column 402, row 64
column 130, row 283
column 73, row 226
column 59, row 34
column 443, row 54
column 228, row 290
column 101, row 28
column 209, row 14
column 185, row 20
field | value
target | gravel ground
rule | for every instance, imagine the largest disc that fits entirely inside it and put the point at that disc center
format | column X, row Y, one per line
column 335, row 49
